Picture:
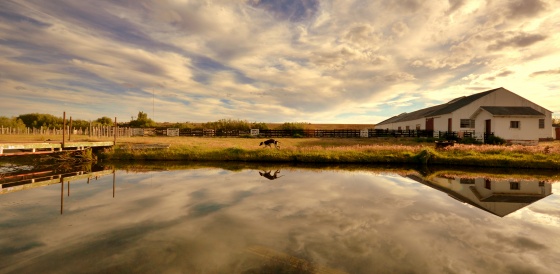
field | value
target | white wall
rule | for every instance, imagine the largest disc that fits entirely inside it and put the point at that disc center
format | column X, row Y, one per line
column 412, row 124
column 528, row 129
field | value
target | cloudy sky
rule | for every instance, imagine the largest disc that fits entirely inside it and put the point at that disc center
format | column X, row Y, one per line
column 332, row 61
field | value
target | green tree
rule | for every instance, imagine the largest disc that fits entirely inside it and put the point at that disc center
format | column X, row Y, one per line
column 13, row 122
column 104, row 121
column 142, row 121
column 83, row 124
column 37, row 120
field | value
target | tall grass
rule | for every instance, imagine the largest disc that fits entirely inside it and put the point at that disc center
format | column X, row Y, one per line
column 215, row 149
column 327, row 150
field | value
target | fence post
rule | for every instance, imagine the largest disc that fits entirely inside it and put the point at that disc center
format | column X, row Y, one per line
column 63, row 127
column 70, row 129
column 115, row 132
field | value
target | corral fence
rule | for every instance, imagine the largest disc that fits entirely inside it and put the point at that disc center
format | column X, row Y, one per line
column 98, row 131
column 109, row 131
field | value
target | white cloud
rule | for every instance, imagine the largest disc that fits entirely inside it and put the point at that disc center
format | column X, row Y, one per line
column 308, row 57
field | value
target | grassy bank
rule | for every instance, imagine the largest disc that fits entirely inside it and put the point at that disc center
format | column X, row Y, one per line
column 325, row 150
column 358, row 151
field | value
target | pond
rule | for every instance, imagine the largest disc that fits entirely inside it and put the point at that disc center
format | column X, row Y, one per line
column 279, row 219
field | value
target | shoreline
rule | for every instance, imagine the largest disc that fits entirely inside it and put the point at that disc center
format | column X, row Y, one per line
column 409, row 151
column 494, row 156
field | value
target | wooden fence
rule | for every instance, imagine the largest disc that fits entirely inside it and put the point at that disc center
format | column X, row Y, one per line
column 101, row 131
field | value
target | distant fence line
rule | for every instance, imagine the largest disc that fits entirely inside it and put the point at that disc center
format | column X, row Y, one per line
column 99, row 131
column 108, row 131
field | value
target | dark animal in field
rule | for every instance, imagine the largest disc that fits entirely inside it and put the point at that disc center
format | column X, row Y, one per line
column 269, row 176
column 270, row 142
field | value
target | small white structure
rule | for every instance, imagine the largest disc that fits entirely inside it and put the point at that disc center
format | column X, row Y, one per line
column 498, row 111
column 172, row 132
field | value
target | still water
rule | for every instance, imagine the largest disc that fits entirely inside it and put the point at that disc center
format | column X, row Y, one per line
column 280, row 220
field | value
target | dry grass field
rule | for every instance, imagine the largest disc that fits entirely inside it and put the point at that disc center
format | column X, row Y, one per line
column 546, row 155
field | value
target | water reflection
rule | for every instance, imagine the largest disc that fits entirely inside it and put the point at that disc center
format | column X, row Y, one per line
column 497, row 196
column 28, row 179
column 201, row 219
column 268, row 175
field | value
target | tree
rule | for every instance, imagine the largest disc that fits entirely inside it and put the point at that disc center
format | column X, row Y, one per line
column 556, row 121
column 80, row 124
column 104, row 121
column 142, row 121
column 37, row 120
column 13, row 122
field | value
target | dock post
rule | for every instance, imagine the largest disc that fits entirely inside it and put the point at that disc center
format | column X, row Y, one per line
column 114, row 175
column 61, row 195
column 63, row 127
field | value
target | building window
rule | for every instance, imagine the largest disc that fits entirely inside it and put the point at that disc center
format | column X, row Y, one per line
column 541, row 183
column 514, row 185
column 417, row 126
column 488, row 184
column 541, row 123
column 513, row 124
column 468, row 181
column 467, row 123
column 407, row 128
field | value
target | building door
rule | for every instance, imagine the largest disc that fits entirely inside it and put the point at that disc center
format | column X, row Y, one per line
column 449, row 125
column 430, row 124
column 488, row 127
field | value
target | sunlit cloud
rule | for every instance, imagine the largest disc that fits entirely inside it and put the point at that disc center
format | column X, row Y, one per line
column 272, row 61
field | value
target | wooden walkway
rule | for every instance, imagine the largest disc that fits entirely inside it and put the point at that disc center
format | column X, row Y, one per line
column 29, row 148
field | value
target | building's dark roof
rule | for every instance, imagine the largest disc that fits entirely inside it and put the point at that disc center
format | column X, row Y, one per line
column 411, row 116
column 525, row 111
column 439, row 109
column 457, row 104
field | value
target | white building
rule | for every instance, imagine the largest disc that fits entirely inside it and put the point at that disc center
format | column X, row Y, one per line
column 498, row 111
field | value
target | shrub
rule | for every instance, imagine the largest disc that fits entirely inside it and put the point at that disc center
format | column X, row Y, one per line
column 495, row 140
column 292, row 126
column 470, row 141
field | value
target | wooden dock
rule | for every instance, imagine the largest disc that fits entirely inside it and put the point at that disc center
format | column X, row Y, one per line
column 33, row 179
column 30, row 148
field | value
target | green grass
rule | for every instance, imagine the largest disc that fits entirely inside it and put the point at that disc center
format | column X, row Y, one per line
column 327, row 150
column 352, row 151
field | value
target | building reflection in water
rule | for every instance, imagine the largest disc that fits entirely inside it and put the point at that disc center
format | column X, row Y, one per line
column 500, row 197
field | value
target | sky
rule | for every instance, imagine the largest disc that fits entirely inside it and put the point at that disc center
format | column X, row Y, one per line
column 347, row 61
